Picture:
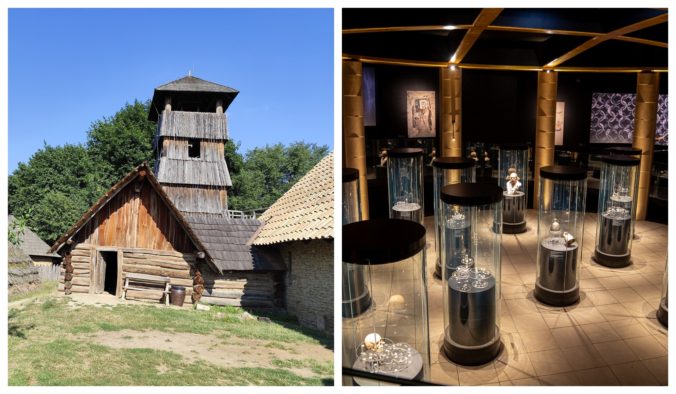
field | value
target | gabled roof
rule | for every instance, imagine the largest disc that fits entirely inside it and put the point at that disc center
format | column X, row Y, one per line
column 194, row 84
column 229, row 243
column 191, row 89
column 31, row 243
column 141, row 171
column 304, row 212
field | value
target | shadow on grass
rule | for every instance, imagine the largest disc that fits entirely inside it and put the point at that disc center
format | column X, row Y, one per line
column 16, row 329
column 291, row 323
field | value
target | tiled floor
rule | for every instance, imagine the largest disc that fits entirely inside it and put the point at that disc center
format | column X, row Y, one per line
column 611, row 337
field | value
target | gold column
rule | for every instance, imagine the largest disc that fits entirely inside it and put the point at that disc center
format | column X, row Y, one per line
column 545, row 122
column 354, row 138
column 647, row 90
column 451, row 119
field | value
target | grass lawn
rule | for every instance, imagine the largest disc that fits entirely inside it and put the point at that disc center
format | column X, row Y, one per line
column 55, row 341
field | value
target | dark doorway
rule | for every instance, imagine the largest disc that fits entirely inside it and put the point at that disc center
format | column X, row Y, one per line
column 110, row 281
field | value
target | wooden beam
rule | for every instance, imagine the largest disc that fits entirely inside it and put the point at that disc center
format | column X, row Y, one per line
column 594, row 41
column 394, row 29
column 483, row 20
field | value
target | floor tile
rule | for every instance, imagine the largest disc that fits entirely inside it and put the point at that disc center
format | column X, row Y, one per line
column 600, row 332
column 658, row 367
column 549, row 362
column 646, row 347
column 567, row 337
column 529, row 322
column 583, row 357
column 634, row 374
column 615, row 352
column 602, row 376
column 561, row 379
column 536, row 341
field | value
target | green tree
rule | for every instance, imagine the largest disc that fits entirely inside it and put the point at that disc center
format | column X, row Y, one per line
column 120, row 143
column 16, row 229
column 270, row 171
column 65, row 171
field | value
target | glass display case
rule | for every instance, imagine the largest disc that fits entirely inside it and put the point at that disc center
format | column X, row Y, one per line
column 616, row 210
column 447, row 171
column 663, row 310
column 405, row 184
column 472, row 213
column 659, row 187
column 561, row 209
column 356, row 297
column 392, row 337
column 485, row 157
column 513, row 179
column 625, row 151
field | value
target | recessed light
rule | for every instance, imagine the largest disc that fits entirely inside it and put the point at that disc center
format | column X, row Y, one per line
column 449, row 27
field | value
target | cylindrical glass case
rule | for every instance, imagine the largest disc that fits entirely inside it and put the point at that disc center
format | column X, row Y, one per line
column 356, row 297
column 616, row 210
column 561, row 209
column 392, row 337
column 663, row 310
column 471, row 254
column 405, row 184
column 513, row 179
column 633, row 152
column 448, row 171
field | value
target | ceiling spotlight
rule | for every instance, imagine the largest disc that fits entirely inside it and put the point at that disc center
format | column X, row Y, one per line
column 452, row 67
column 449, row 27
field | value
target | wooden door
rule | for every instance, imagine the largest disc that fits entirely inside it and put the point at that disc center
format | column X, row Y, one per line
column 99, row 273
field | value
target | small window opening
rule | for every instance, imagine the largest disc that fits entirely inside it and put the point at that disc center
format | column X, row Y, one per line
column 194, row 148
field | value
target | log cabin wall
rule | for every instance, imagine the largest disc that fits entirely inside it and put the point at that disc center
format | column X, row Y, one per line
column 134, row 219
column 246, row 289
column 76, row 269
column 177, row 266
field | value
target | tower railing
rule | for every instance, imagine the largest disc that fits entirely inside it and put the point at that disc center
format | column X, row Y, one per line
column 246, row 214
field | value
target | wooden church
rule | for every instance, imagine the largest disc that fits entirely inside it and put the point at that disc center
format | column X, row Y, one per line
column 175, row 224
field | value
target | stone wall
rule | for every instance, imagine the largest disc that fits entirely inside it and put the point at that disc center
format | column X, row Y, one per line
column 309, row 282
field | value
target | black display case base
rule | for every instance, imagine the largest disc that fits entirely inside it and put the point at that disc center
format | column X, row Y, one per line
column 611, row 261
column 356, row 307
column 663, row 315
column 513, row 228
column 556, row 298
column 472, row 355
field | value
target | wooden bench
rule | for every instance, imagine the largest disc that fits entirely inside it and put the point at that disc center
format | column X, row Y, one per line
column 141, row 279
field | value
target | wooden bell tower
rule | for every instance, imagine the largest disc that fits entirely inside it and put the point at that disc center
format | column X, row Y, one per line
column 190, row 143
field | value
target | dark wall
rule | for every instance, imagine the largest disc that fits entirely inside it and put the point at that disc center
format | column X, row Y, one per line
column 497, row 106
column 392, row 83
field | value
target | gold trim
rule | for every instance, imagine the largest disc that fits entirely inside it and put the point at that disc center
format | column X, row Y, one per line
column 484, row 19
column 394, row 29
column 613, row 34
column 515, row 29
column 420, row 63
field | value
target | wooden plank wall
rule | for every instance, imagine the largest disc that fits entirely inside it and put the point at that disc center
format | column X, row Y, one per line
column 240, row 289
column 198, row 199
column 177, row 148
column 136, row 220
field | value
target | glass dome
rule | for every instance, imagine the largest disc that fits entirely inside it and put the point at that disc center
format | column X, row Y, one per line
column 448, row 171
column 405, row 184
column 663, row 310
column 513, row 178
column 471, row 271
column 561, row 209
column 392, row 337
column 356, row 295
column 616, row 210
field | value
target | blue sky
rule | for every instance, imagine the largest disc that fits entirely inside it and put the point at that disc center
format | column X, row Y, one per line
column 70, row 67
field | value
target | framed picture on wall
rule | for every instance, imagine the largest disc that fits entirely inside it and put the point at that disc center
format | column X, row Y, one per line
column 560, row 116
column 421, row 113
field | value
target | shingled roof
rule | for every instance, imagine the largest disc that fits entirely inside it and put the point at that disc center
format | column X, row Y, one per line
column 16, row 255
column 192, row 89
column 304, row 212
column 228, row 241
column 31, row 243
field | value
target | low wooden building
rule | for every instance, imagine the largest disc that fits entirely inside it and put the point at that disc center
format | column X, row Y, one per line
column 32, row 245
column 176, row 225
column 300, row 226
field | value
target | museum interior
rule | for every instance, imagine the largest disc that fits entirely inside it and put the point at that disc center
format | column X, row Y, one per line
column 505, row 176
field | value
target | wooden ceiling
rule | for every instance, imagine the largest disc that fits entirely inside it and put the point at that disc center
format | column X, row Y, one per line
column 579, row 40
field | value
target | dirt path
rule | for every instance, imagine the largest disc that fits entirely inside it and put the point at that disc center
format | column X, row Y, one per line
column 227, row 353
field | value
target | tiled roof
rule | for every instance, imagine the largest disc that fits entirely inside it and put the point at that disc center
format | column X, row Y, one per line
column 31, row 243
column 228, row 242
column 304, row 212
